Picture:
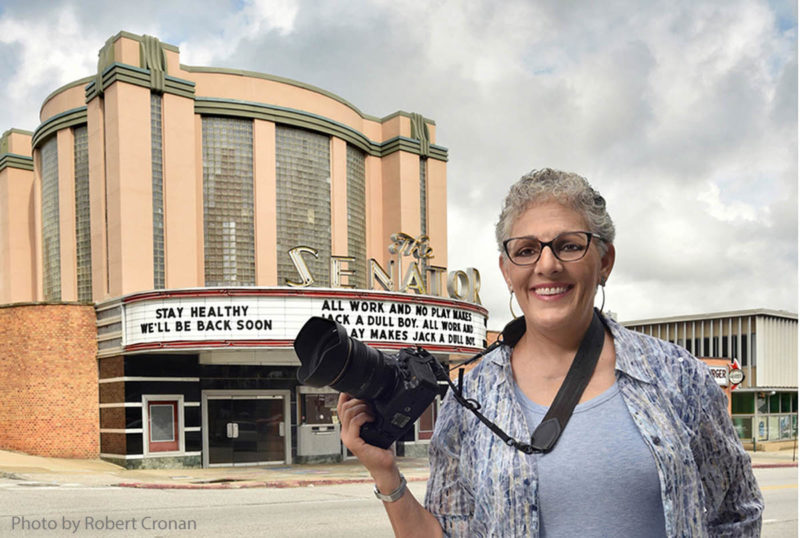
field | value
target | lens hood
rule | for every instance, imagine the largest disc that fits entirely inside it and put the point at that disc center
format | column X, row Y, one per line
column 320, row 338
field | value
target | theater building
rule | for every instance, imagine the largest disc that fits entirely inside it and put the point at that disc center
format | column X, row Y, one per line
column 165, row 232
column 762, row 345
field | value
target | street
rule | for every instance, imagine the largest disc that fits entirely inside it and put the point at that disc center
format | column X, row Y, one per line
column 342, row 510
column 779, row 486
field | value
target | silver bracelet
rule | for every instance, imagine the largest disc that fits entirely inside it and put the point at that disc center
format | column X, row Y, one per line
column 396, row 494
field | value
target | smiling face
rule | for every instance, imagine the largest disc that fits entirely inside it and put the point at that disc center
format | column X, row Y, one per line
column 556, row 296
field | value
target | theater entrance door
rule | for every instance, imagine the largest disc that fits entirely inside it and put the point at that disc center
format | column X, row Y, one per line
column 246, row 428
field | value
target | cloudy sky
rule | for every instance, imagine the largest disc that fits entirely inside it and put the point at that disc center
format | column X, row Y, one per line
column 683, row 113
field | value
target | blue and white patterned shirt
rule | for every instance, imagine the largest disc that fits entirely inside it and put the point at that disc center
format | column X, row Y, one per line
column 479, row 486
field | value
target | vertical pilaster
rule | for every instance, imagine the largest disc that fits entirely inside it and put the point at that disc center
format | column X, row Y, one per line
column 265, row 193
column 181, row 194
column 95, row 125
column 66, row 213
column 200, row 261
column 401, row 193
column 129, row 184
column 377, row 237
column 17, row 236
column 338, row 197
column 437, row 210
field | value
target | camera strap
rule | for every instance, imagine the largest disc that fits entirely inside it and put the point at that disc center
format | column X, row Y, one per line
column 546, row 435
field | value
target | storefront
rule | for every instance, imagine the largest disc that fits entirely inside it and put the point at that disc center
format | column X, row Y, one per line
column 208, row 376
column 765, row 418
column 759, row 347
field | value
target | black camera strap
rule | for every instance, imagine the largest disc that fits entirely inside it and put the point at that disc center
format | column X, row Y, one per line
column 555, row 420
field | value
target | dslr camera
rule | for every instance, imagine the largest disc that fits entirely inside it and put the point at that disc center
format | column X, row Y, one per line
column 400, row 387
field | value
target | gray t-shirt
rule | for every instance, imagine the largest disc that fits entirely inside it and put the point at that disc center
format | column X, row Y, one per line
column 600, row 479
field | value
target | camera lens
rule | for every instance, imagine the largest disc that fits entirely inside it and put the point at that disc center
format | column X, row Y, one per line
column 329, row 357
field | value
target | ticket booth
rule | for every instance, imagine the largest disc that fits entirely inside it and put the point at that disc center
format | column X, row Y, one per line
column 318, row 425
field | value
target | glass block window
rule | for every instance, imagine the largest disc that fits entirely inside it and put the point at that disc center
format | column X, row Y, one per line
column 423, row 196
column 156, row 151
column 304, row 201
column 83, row 232
column 228, row 202
column 357, row 215
column 51, row 238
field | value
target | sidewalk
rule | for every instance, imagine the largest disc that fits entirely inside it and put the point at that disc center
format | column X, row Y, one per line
column 19, row 468
column 22, row 469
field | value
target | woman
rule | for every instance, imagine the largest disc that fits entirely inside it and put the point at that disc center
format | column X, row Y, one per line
column 648, row 451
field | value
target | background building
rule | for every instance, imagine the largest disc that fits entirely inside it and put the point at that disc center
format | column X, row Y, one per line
column 764, row 343
column 193, row 218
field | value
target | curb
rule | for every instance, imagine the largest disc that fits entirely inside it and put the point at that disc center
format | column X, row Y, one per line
column 772, row 465
column 245, row 484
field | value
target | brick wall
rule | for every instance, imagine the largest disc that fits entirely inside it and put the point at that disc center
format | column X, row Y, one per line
column 48, row 380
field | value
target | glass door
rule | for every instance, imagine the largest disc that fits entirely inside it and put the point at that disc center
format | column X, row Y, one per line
column 220, row 431
column 246, row 429
column 261, row 430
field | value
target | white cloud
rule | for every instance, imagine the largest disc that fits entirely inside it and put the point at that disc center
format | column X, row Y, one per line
column 255, row 18
column 683, row 114
column 736, row 211
column 54, row 49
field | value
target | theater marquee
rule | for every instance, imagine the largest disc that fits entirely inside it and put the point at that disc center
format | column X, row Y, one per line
column 272, row 317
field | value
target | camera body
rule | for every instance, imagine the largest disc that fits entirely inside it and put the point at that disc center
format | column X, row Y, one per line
column 416, row 387
column 400, row 387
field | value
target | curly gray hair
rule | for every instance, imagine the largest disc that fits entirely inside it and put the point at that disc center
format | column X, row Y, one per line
column 567, row 188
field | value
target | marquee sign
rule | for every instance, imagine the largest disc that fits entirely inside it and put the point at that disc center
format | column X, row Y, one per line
column 272, row 317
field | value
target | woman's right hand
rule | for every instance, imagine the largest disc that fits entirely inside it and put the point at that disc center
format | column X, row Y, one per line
column 408, row 517
column 353, row 414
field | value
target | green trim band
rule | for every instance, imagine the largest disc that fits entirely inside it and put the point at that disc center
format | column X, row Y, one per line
column 401, row 143
column 75, row 116
column 298, row 118
column 14, row 130
column 243, row 109
column 12, row 160
column 117, row 72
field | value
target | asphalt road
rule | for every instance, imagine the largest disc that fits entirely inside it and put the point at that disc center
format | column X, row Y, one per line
column 329, row 511
column 779, row 487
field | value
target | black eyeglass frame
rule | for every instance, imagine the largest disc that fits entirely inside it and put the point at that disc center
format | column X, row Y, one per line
column 589, row 236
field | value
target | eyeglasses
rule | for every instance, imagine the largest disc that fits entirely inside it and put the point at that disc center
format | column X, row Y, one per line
column 566, row 247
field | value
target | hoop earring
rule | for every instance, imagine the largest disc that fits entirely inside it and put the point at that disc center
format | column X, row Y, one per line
column 603, row 290
column 511, row 304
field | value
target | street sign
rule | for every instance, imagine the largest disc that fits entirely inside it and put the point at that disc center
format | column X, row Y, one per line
column 735, row 376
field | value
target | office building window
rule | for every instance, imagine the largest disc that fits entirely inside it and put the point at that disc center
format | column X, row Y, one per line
column 303, row 201
column 765, row 415
column 228, row 202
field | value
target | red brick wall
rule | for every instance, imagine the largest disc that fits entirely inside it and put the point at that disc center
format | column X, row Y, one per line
column 48, row 380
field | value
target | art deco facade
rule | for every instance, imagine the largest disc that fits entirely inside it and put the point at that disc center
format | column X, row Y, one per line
column 196, row 216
